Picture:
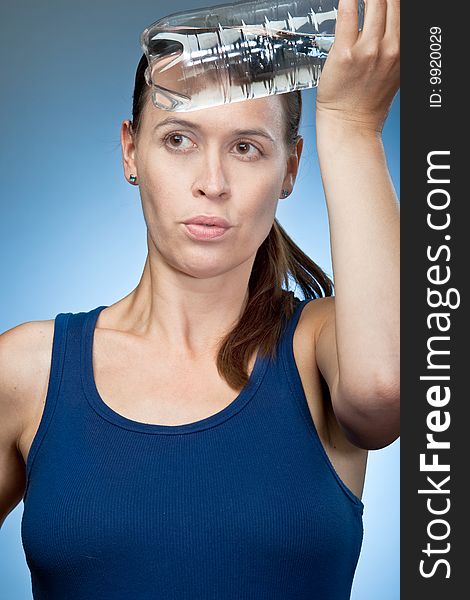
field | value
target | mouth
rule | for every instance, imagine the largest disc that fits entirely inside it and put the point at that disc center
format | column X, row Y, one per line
column 208, row 220
column 204, row 232
column 206, row 227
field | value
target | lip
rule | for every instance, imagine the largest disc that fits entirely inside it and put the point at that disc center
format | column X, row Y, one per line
column 205, row 233
column 206, row 228
column 208, row 220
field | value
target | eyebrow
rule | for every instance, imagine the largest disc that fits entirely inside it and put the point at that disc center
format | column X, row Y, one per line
column 185, row 123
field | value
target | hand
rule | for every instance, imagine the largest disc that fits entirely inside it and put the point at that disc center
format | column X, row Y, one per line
column 362, row 72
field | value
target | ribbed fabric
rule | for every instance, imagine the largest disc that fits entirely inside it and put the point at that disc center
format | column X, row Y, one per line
column 244, row 504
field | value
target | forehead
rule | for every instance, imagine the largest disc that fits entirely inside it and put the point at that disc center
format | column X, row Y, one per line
column 262, row 114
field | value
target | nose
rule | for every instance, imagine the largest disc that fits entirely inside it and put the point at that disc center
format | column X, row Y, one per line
column 211, row 179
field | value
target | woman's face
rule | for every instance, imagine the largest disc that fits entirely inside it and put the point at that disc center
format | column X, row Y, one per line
column 227, row 161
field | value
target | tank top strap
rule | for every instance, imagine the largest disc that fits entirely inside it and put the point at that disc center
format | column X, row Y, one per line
column 59, row 344
column 64, row 385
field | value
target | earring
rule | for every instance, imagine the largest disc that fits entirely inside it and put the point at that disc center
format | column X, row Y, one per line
column 285, row 193
column 132, row 179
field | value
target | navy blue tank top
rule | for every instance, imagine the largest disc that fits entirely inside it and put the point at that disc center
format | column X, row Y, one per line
column 242, row 505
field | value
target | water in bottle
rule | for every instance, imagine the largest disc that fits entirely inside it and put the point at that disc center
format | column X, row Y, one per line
column 232, row 52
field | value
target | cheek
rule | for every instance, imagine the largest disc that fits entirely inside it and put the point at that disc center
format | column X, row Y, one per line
column 257, row 219
column 161, row 193
column 158, row 208
column 264, row 211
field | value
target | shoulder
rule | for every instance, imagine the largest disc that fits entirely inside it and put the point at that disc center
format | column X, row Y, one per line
column 321, row 307
column 25, row 358
column 24, row 343
column 317, row 314
column 315, row 335
column 24, row 354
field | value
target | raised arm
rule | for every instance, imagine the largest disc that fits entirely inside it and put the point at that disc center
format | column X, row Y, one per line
column 356, row 89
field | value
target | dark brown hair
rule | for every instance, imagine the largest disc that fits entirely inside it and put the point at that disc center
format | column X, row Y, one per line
column 270, row 303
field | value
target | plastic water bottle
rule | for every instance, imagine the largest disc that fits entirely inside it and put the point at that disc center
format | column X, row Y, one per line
column 232, row 52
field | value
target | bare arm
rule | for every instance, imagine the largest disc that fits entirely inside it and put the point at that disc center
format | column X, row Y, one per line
column 359, row 352
column 12, row 469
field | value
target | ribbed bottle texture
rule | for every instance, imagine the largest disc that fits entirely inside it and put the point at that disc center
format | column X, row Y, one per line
column 232, row 52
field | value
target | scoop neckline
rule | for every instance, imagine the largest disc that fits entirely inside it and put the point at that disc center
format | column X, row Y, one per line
column 104, row 410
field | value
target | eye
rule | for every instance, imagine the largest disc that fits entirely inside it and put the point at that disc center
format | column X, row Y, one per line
column 247, row 145
column 174, row 141
column 175, row 136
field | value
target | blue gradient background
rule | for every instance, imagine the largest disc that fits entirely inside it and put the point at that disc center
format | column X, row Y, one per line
column 72, row 233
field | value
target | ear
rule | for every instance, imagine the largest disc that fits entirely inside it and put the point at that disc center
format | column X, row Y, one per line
column 293, row 165
column 128, row 149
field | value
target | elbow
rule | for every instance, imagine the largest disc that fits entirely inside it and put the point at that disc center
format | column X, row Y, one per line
column 370, row 418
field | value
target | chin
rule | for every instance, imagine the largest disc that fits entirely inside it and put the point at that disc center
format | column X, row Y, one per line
column 203, row 265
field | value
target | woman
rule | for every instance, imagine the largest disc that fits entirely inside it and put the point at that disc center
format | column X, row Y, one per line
column 206, row 436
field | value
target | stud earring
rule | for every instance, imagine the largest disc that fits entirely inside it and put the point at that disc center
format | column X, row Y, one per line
column 132, row 179
column 285, row 193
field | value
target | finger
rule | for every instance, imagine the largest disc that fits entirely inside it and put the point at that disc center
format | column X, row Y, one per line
column 375, row 19
column 392, row 27
column 346, row 29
